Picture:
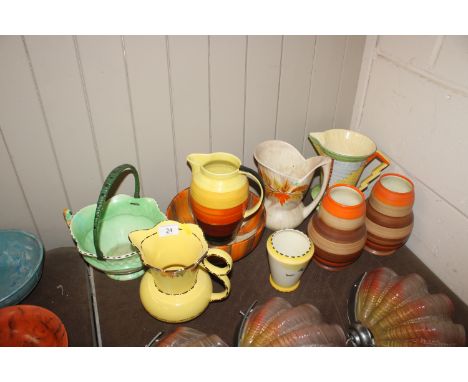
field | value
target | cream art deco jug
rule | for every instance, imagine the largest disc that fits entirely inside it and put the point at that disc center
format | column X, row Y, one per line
column 287, row 176
column 351, row 153
column 177, row 287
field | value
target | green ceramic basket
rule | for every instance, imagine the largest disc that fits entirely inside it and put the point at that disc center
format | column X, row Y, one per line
column 101, row 230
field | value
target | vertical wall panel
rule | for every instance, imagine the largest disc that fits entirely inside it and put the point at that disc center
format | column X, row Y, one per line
column 227, row 75
column 296, row 70
column 106, row 84
column 60, row 86
column 189, row 81
column 73, row 108
column 263, row 69
column 149, row 88
column 326, row 74
column 14, row 212
column 348, row 82
column 26, row 135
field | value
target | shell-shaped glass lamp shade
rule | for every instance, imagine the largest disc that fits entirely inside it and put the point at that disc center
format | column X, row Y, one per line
column 277, row 323
column 188, row 337
column 390, row 310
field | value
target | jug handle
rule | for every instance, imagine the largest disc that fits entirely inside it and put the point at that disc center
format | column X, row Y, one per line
column 252, row 174
column 113, row 176
column 219, row 272
column 376, row 171
column 326, row 168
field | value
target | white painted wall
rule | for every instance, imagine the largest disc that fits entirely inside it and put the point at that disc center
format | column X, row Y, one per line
column 412, row 99
column 72, row 108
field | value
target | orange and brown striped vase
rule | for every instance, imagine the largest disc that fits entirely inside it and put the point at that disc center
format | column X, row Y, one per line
column 389, row 213
column 338, row 228
column 219, row 195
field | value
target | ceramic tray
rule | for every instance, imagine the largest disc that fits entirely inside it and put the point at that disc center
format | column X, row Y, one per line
column 21, row 260
column 246, row 240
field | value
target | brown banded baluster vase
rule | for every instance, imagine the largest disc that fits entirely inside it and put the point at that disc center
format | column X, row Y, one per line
column 338, row 228
column 389, row 213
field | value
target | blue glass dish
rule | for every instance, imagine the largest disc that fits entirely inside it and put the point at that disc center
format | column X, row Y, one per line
column 21, row 261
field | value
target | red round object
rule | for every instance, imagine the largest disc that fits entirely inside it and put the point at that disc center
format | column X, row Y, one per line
column 30, row 325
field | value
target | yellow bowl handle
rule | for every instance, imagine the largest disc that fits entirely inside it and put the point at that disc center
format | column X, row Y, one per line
column 219, row 272
column 376, row 171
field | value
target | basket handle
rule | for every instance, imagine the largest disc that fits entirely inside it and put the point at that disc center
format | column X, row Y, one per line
column 113, row 176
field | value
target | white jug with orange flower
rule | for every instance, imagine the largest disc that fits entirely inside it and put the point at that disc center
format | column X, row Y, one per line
column 287, row 176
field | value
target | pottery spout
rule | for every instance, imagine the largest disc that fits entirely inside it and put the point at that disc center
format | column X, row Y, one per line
column 137, row 237
column 197, row 161
column 318, row 141
column 285, row 161
column 309, row 166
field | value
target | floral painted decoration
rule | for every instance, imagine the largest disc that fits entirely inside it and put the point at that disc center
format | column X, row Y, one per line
column 282, row 190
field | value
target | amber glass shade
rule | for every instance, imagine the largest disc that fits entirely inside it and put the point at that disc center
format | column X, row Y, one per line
column 277, row 323
column 188, row 337
column 390, row 310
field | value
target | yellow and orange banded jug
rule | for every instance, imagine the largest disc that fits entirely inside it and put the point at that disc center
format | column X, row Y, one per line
column 219, row 194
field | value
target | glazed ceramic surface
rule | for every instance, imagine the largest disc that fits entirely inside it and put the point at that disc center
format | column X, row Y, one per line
column 351, row 153
column 289, row 253
column 287, row 176
column 277, row 323
column 247, row 237
column 219, row 193
column 389, row 219
column 101, row 230
column 29, row 325
column 338, row 229
column 21, row 261
column 177, row 287
column 390, row 310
